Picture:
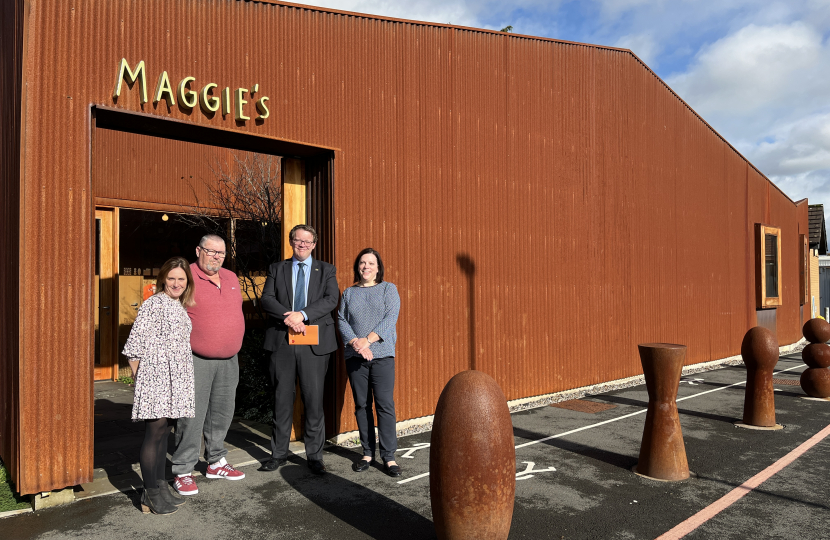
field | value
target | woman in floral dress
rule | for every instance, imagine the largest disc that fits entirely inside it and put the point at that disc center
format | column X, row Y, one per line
column 159, row 353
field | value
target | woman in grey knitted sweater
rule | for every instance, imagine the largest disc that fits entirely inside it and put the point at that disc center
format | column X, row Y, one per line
column 367, row 317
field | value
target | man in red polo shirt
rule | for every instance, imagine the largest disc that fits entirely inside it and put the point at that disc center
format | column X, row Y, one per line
column 218, row 328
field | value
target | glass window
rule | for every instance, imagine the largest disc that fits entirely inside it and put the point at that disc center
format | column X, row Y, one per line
column 771, row 264
column 147, row 239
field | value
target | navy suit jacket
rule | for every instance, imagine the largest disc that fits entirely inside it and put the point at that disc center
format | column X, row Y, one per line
column 323, row 295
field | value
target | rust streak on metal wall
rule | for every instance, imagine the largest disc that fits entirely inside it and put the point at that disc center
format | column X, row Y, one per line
column 459, row 151
column 12, row 28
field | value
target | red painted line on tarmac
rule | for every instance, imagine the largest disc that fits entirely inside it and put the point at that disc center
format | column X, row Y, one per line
column 736, row 494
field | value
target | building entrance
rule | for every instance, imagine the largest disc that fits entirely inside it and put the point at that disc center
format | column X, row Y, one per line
column 151, row 178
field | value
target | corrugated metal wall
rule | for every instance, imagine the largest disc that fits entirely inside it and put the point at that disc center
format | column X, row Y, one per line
column 134, row 169
column 11, row 67
column 542, row 206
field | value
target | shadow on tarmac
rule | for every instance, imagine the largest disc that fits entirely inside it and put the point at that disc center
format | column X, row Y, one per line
column 644, row 404
column 612, row 458
column 117, row 439
column 366, row 510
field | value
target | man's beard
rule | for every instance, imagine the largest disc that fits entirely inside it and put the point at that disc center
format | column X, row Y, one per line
column 212, row 267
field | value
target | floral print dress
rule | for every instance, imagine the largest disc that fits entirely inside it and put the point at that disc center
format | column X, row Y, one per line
column 160, row 340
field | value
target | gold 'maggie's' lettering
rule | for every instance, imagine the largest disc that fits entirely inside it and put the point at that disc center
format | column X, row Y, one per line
column 125, row 73
column 187, row 98
column 226, row 101
column 164, row 91
column 209, row 104
column 262, row 108
column 239, row 103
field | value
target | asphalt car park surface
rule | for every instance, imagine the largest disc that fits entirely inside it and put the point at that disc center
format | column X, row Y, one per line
column 574, row 480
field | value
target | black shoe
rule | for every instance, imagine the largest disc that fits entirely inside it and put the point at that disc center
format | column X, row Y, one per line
column 317, row 466
column 392, row 470
column 273, row 464
column 152, row 501
column 362, row 465
column 169, row 494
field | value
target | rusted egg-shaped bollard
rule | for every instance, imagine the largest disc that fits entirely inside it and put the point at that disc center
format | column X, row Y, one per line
column 662, row 452
column 816, row 355
column 815, row 381
column 759, row 350
column 472, row 460
column 816, row 331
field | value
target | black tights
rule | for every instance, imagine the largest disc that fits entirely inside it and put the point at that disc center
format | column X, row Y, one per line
column 153, row 456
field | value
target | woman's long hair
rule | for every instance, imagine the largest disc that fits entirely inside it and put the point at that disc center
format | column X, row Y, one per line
column 177, row 262
column 379, row 277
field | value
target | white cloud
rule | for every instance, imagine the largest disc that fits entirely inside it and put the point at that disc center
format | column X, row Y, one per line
column 643, row 45
column 754, row 68
column 765, row 88
column 799, row 148
column 614, row 8
column 814, row 185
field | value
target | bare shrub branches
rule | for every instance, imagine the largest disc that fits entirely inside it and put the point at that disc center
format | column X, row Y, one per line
column 244, row 207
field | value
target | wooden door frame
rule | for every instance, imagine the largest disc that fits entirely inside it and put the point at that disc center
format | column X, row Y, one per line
column 109, row 257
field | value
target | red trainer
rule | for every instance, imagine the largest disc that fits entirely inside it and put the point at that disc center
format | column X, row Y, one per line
column 221, row 469
column 186, row 485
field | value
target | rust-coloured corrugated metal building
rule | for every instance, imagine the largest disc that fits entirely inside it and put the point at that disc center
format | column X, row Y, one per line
column 543, row 206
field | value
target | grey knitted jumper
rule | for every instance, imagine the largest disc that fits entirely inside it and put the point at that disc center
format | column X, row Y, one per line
column 364, row 310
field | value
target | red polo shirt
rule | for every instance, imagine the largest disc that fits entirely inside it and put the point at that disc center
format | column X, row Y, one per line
column 218, row 323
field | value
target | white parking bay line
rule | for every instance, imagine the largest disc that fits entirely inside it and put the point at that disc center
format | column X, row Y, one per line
column 598, row 424
column 414, row 478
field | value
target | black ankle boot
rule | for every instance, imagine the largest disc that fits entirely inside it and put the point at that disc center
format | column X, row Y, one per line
column 169, row 494
column 152, row 501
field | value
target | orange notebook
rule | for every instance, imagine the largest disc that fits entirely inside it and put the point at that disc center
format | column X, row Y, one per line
column 311, row 337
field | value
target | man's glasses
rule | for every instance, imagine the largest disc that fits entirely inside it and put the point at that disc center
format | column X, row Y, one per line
column 304, row 242
column 212, row 252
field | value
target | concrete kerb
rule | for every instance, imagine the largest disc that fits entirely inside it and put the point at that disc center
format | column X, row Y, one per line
column 11, row 513
column 424, row 423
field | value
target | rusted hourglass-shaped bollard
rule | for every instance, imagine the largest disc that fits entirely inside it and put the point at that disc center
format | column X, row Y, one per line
column 662, row 451
column 815, row 380
column 759, row 350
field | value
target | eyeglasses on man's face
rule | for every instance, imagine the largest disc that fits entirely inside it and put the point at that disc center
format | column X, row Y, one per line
column 298, row 242
column 213, row 252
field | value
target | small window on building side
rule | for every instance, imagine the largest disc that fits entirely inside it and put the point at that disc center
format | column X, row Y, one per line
column 768, row 269
column 804, row 281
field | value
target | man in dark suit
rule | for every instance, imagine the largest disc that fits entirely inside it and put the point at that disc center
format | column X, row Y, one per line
column 299, row 291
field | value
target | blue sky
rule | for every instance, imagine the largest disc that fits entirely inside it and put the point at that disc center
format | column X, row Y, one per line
column 757, row 71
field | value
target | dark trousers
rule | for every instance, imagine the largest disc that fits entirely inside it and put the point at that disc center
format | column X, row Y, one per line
column 374, row 381
column 288, row 363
